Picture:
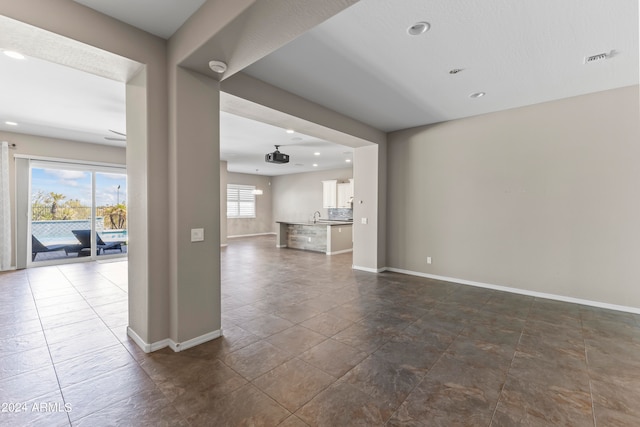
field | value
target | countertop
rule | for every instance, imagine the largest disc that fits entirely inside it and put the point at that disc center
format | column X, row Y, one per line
column 323, row 223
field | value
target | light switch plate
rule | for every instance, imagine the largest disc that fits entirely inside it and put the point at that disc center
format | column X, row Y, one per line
column 197, row 234
column 364, row 221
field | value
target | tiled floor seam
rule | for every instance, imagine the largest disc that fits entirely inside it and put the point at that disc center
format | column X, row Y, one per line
column 121, row 344
column 274, row 398
column 154, row 383
column 426, row 374
column 118, row 403
column 93, row 308
column 53, row 366
column 586, row 359
column 506, row 375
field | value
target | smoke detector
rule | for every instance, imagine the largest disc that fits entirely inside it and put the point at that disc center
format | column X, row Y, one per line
column 218, row 66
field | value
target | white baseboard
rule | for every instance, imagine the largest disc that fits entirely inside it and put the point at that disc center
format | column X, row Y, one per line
column 138, row 340
column 223, row 245
column 149, row 348
column 160, row 344
column 195, row 341
column 520, row 291
column 281, row 246
column 340, row 252
column 369, row 270
column 251, row 235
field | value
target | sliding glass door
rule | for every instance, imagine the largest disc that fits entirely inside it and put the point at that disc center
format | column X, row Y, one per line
column 77, row 212
column 111, row 213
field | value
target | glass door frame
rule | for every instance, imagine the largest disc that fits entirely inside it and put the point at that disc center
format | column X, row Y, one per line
column 88, row 167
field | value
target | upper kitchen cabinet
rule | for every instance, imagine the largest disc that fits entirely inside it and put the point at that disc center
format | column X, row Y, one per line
column 345, row 194
column 329, row 193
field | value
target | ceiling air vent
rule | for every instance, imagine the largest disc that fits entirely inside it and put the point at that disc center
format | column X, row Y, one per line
column 595, row 58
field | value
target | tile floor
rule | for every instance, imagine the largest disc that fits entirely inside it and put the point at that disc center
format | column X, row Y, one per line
column 308, row 341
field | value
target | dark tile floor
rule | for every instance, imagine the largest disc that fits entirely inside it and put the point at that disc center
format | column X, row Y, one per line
column 308, row 341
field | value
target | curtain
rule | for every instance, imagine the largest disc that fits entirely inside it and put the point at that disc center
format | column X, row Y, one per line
column 5, row 209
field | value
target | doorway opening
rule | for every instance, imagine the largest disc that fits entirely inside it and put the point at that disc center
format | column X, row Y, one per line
column 77, row 212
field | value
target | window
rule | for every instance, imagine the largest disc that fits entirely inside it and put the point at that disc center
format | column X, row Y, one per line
column 76, row 211
column 241, row 201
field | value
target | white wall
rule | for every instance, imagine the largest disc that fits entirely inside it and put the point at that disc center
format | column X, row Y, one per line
column 296, row 197
column 263, row 222
column 30, row 145
column 544, row 198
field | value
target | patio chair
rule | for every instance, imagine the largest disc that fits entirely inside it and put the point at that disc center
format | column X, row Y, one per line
column 84, row 237
column 37, row 247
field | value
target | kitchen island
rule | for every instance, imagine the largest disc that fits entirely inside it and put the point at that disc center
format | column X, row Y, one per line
column 329, row 237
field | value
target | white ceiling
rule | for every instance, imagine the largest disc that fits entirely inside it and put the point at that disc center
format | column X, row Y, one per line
column 159, row 17
column 363, row 64
column 55, row 101
column 52, row 100
column 244, row 142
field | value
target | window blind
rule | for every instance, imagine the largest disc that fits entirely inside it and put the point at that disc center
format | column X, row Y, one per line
column 241, row 201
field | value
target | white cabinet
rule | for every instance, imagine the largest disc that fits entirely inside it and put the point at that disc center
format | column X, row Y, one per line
column 337, row 195
column 329, row 193
column 344, row 195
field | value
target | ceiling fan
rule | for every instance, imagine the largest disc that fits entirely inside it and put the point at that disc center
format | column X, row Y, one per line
column 121, row 137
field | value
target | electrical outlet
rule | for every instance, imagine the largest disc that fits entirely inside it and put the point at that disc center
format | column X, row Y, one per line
column 428, row 260
column 309, row 239
column 364, row 220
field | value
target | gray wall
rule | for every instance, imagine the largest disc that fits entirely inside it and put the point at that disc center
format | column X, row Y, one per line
column 223, row 203
column 263, row 222
column 543, row 198
column 296, row 197
column 30, row 145
column 369, row 171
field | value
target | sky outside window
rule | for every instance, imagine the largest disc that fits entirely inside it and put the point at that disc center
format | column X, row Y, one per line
column 76, row 185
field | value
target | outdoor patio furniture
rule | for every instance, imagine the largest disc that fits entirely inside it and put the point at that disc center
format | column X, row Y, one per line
column 37, row 247
column 84, row 237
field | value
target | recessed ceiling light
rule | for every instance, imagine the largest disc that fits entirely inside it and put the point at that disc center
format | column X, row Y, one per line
column 316, row 154
column 418, row 28
column 315, row 165
column 11, row 123
column 13, row 54
column 348, row 160
column 477, row 95
column 290, row 131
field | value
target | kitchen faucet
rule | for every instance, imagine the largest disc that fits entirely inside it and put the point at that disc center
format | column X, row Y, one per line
column 314, row 216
